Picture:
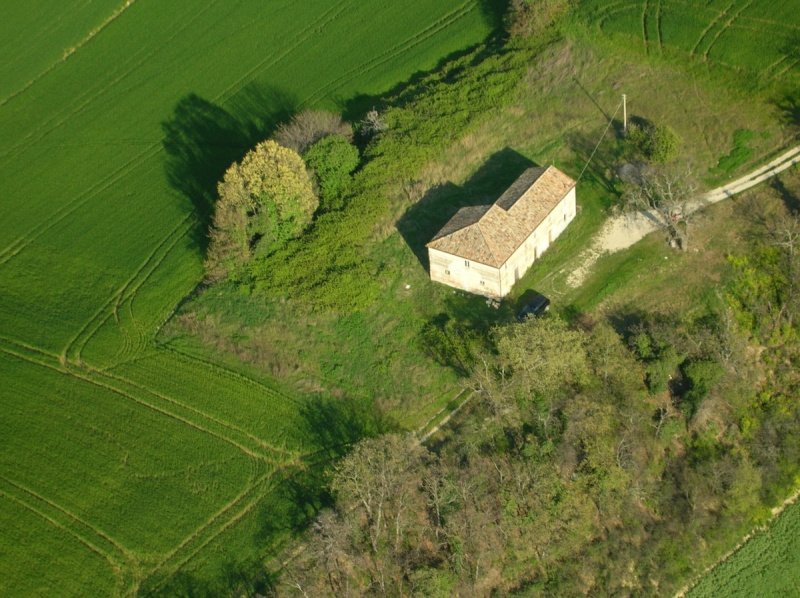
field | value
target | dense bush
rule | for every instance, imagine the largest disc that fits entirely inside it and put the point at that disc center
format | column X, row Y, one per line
column 656, row 143
column 332, row 159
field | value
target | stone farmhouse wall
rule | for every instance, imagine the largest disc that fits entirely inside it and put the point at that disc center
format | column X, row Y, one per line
column 464, row 274
column 537, row 243
column 489, row 281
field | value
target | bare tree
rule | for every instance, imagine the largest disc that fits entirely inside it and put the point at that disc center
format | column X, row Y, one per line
column 664, row 193
column 308, row 127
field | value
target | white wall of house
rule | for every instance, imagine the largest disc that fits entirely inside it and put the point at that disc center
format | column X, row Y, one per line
column 497, row 282
column 536, row 244
column 464, row 274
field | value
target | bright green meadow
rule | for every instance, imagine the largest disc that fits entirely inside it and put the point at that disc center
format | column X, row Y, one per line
column 127, row 467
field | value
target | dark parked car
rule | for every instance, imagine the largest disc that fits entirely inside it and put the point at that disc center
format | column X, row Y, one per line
column 536, row 306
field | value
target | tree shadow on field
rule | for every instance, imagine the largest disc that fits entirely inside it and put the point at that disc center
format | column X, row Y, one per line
column 331, row 427
column 202, row 140
column 426, row 217
column 494, row 12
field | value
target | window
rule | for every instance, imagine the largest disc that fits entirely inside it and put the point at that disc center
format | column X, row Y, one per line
column 466, row 263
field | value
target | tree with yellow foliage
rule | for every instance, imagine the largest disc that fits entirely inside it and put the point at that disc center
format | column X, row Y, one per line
column 264, row 200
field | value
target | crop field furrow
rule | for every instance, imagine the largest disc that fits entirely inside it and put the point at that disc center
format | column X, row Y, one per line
column 390, row 54
column 72, row 351
column 92, row 96
column 123, row 555
column 167, row 568
column 725, row 28
column 260, row 443
column 709, row 27
column 96, row 379
column 75, row 204
column 70, row 51
column 315, row 28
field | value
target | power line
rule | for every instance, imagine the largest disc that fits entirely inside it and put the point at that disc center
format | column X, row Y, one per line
column 608, row 126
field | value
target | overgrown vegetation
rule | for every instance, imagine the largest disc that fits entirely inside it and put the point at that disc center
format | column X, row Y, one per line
column 595, row 459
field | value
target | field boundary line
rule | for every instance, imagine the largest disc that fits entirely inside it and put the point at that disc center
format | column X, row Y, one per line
column 759, row 529
column 72, row 50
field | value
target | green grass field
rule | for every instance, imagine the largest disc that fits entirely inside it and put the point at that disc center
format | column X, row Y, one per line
column 752, row 37
column 128, row 467
column 766, row 565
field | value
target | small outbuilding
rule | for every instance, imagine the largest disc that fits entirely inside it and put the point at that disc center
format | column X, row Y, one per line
column 486, row 249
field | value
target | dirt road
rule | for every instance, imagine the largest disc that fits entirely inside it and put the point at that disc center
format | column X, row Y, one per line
column 624, row 230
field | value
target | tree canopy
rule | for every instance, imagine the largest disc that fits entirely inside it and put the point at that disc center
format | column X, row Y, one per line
column 264, row 200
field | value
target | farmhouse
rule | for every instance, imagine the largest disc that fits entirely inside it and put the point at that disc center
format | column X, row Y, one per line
column 486, row 249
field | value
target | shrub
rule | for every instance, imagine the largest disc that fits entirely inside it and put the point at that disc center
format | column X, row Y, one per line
column 657, row 143
column 308, row 127
column 333, row 159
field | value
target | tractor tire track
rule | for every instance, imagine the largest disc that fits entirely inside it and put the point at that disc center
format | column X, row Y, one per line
column 325, row 19
column 124, row 554
column 420, row 37
column 709, row 27
column 74, row 347
column 94, row 94
column 116, row 567
column 724, row 28
column 92, row 378
column 72, row 50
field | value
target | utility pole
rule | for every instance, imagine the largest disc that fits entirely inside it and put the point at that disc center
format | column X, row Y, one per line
column 624, row 114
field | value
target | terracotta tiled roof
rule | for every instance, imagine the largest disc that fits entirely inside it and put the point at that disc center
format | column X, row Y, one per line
column 490, row 234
